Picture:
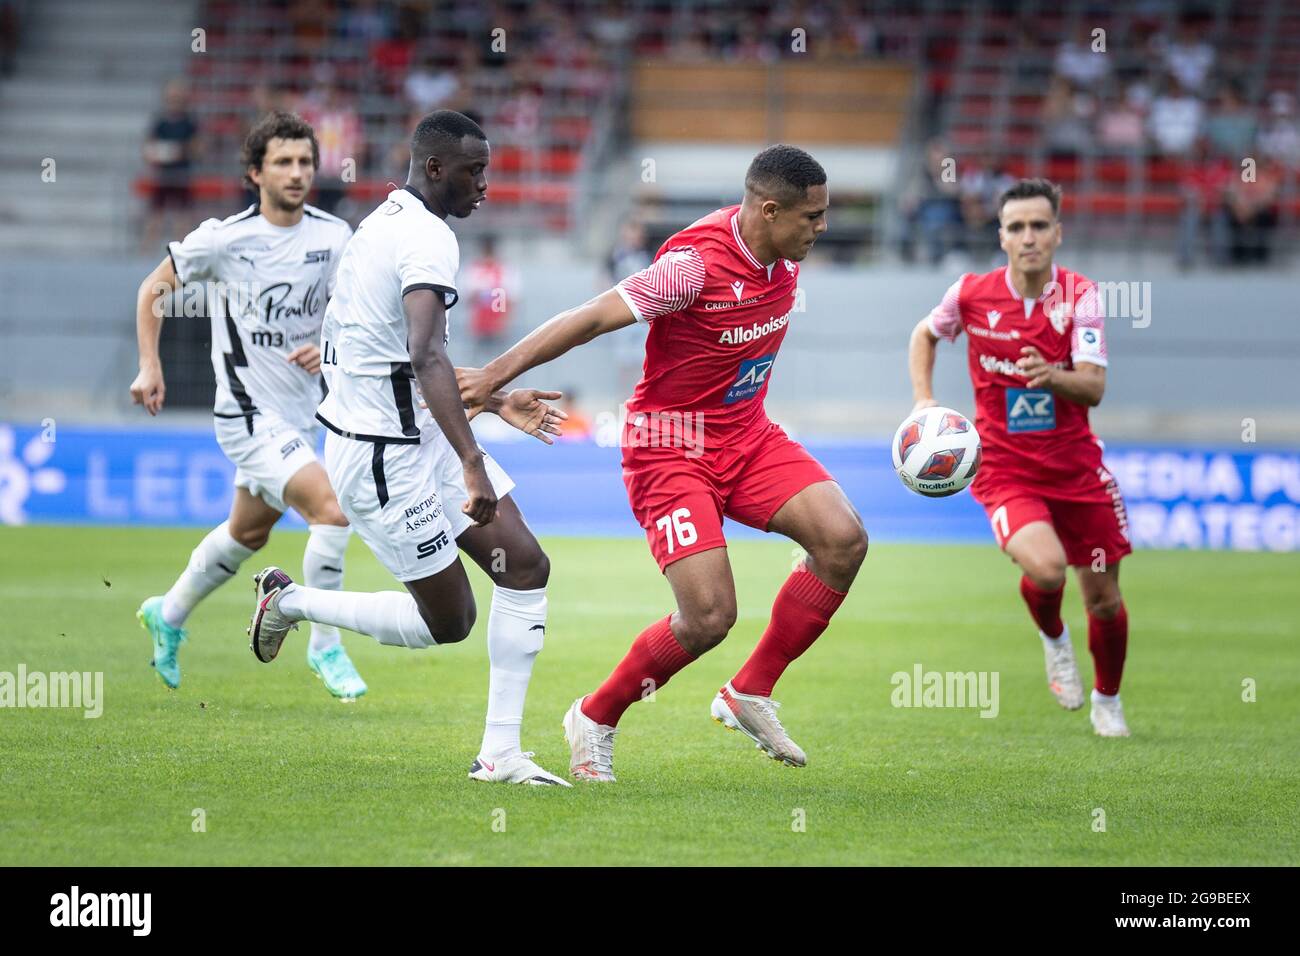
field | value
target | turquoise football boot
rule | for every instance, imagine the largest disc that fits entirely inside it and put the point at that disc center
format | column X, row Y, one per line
column 166, row 641
column 336, row 670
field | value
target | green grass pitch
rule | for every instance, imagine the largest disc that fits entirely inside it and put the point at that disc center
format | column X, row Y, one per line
column 284, row 774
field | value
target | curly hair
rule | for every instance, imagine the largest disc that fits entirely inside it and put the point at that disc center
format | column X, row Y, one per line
column 275, row 125
column 784, row 173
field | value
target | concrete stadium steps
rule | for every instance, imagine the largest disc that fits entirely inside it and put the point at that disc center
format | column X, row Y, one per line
column 89, row 76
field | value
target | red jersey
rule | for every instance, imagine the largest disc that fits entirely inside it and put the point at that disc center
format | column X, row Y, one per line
column 1031, row 438
column 717, row 317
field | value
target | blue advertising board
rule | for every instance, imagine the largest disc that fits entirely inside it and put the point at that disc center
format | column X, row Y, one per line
column 1177, row 497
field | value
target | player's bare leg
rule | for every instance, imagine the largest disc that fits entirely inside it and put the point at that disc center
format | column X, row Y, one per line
column 705, row 591
column 214, row 562
column 309, row 493
column 1038, row 551
column 823, row 522
column 509, row 554
column 1108, row 642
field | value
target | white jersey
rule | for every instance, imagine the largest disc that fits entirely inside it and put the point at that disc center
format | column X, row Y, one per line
column 401, row 246
column 266, row 287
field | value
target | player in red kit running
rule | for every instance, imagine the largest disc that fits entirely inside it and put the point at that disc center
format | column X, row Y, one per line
column 1037, row 353
column 698, row 445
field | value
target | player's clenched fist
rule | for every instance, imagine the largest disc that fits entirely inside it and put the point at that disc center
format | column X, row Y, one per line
column 481, row 500
column 1035, row 367
column 475, row 387
column 306, row 357
column 148, row 389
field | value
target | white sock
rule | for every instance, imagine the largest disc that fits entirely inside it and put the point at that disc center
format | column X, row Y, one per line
column 212, row 564
column 1099, row 698
column 516, row 626
column 1056, row 641
column 322, row 567
column 390, row 617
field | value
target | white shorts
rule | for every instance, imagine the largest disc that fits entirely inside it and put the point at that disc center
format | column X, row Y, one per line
column 405, row 500
column 267, row 456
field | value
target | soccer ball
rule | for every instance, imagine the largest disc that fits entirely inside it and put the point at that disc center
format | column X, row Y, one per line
column 936, row 452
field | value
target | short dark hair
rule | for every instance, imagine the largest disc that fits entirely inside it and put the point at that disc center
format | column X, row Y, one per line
column 441, row 129
column 277, row 124
column 783, row 173
column 1029, row 189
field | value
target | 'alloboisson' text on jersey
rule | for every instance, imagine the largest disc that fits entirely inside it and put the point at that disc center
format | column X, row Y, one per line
column 265, row 289
column 717, row 317
column 1031, row 437
column 400, row 247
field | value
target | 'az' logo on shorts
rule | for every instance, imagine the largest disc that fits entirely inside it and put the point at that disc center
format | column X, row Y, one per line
column 432, row 546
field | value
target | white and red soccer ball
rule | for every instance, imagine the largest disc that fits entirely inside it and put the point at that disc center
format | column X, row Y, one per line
column 936, row 452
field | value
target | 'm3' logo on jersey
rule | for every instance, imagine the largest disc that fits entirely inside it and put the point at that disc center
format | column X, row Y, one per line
column 750, row 379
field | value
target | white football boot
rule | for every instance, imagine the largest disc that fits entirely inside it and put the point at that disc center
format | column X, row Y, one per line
column 514, row 768
column 755, row 717
column 1107, row 716
column 268, row 627
column 1062, row 672
column 591, row 746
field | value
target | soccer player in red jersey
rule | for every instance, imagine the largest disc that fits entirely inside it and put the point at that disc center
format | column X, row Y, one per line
column 698, row 445
column 1037, row 355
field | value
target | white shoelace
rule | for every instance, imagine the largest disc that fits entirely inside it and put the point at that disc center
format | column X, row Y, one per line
column 601, row 746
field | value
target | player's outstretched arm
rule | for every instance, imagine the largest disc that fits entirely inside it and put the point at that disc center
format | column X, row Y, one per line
column 426, row 326
column 148, row 389
column 921, row 350
column 605, row 313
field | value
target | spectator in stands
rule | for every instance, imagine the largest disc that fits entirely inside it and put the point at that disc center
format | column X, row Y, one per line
column 982, row 182
column 1231, row 124
column 631, row 253
column 365, row 20
column 432, row 86
column 491, row 291
column 1068, row 117
column 1253, row 213
column 931, row 205
column 10, row 23
column 1176, row 117
column 340, row 134
column 1077, row 62
column 1189, row 58
column 1122, row 124
column 169, row 152
column 1280, row 137
column 578, row 426
column 1203, row 186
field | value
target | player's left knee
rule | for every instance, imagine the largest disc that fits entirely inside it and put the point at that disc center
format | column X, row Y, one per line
column 529, row 573
column 1105, row 607
column 844, row 550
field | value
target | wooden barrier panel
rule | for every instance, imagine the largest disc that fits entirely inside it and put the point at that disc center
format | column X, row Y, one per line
column 807, row 102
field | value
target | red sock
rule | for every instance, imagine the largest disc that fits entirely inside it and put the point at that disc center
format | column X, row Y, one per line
column 655, row 655
column 1044, row 606
column 802, row 609
column 1108, row 643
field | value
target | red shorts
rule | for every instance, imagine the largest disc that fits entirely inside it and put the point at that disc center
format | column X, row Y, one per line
column 680, row 500
column 1084, row 527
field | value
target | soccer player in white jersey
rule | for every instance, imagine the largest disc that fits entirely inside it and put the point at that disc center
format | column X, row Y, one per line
column 267, row 273
column 401, row 456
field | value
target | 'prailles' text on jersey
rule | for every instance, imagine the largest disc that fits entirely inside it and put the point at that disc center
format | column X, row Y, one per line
column 1030, row 436
column 400, row 247
column 265, row 292
column 717, row 318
